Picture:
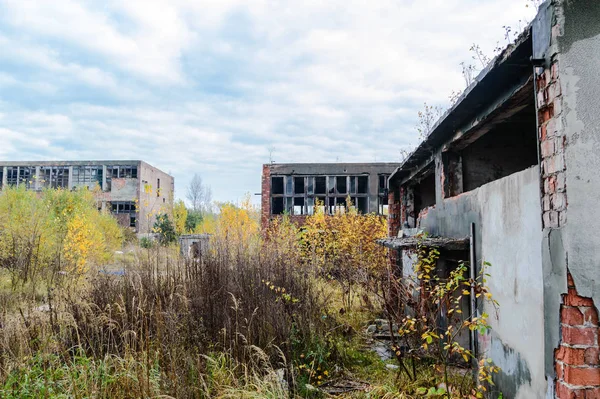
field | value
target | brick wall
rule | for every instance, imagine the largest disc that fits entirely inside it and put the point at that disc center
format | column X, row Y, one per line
column 265, row 202
column 577, row 357
column 552, row 145
column 394, row 214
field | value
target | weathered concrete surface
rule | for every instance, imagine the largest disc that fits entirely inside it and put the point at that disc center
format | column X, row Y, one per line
column 153, row 200
column 506, row 213
column 124, row 189
column 511, row 230
column 579, row 63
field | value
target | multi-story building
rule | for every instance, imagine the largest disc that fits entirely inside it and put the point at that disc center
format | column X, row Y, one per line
column 296, row 188
column 133, row 191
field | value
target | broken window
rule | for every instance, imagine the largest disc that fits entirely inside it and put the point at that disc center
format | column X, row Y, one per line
column 320, row 185
column 298, row 185
column 363, row 185
column 27, row 176
column 123, row 172
column 383, row 205
column 299, row 206
column 1, row 176
column 341, row 184
column 87, row 176
column 331, row 185
column 277, row 205
column 424, row 192
column 362, row 205
column 132, row 221
column 352, row 184
column 310, row 185
column 118, row 207
column 340, row 205
column 277, row 185
column 158, row 187
column 289, row 205
column 12, row 175
column 382, row 194
column 310, row 206
column 55, row 176
column 305, row 195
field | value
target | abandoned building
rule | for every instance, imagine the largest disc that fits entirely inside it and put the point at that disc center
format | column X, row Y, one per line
column 511, row 172
column 133, row 191
column 295, row 188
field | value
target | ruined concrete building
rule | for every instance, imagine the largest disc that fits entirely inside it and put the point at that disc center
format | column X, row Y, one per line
column 133, row 191
column 294, row 188
column 517, row 159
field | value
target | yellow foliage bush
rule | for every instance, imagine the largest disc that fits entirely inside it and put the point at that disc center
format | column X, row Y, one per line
column 42, row 233
column 236, row 224
column 344, row 240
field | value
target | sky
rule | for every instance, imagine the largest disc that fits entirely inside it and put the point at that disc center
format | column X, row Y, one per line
column 220, row 87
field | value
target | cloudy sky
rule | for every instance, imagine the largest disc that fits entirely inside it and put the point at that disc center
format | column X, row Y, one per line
column 216, row 87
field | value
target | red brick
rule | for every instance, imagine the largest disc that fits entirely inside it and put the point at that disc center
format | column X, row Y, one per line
column 572, row 299
column 570, row 282
column 587, row 377
column 593, row 393
column 590, row 315
column 579, row 336
column 543, row 132
column 547, row 148
column 592, row 356
column 571, row 315
column 572, row 356
column 565, row 392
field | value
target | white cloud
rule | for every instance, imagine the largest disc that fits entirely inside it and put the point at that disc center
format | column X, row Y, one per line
column 209, row 86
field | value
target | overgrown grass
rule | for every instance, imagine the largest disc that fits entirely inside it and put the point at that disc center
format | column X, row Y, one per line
column 252, row 318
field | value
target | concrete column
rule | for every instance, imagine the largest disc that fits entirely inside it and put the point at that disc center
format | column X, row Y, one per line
column 70, row 180
column 373, row 192
column 104, row 169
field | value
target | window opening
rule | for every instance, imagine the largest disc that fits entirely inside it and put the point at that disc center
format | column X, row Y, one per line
column 298, row 185
column 277, row 205
column 331, row 185
column 320, row 185
column 363, row 185
column 277, row 185
column 299, row 206
column 341, row 186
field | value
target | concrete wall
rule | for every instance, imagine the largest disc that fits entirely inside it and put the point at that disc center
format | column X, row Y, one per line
column 507, row 220
column 153, row 201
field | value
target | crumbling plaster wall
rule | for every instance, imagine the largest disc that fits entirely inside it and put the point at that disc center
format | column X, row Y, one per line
column 506, row 214
column 579, row 66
